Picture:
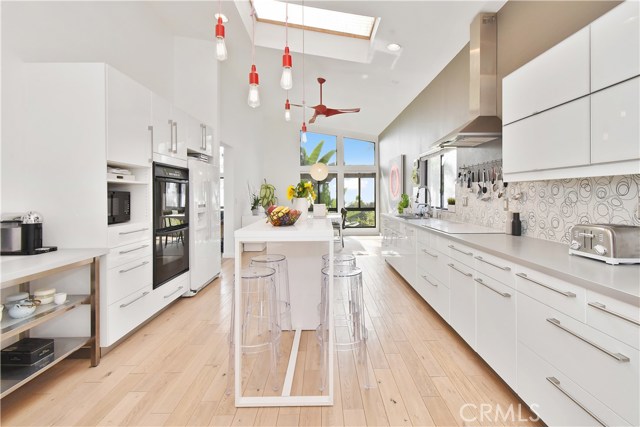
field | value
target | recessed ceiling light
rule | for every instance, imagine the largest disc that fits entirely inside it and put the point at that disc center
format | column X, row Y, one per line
column 365, row 76
column 221, row 15
column 393, row 47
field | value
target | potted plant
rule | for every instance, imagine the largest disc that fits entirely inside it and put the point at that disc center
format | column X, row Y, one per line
column 267, row 195
column 403, row 203
column 301, row 195
column 451, row 204
column 254, row 200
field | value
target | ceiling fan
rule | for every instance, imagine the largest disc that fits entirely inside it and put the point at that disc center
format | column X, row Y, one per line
column 323, row 110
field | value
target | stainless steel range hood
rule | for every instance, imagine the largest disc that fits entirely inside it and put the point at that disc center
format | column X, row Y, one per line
column 486, row 125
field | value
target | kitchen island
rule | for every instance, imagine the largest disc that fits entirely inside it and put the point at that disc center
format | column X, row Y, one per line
column 303, row 244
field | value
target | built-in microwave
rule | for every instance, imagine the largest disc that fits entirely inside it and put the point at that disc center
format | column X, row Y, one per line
column 118, row 206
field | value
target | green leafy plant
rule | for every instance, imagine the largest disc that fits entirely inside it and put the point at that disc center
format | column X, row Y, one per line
column 255, row 201
column 451, row 201
column 403, row 203
column 314, row 157
column 267, row 195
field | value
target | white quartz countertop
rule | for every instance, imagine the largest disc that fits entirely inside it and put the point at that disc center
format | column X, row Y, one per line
column 617, row 281
column 452, row 227
column 14, row 268
column 310, row 229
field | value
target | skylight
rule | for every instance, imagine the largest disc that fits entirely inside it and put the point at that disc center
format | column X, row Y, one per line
column 322, row 20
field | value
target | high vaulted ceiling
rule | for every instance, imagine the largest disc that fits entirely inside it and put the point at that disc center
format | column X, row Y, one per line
column 380, row 82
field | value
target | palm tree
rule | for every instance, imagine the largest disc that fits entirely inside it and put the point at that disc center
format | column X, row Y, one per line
column 308, row 160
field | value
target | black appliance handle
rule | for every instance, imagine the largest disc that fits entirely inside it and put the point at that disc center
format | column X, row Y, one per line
column 178, row 181
column 166, row 232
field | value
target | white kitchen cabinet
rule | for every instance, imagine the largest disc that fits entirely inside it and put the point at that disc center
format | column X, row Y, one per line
column 128, row 120
column 434, row 292
column 558, row 75
column 462, row 301
column 555, row 398
column 603, row 366
column 615, row 45
column 169, row 129
column 127, row 278
column 557, row 138
column 126, row 314
column 496, row 326
column 199, row 137
column 615, row 128
column 613, row 317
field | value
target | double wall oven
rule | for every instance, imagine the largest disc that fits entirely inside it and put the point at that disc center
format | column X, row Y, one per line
column 170, row 222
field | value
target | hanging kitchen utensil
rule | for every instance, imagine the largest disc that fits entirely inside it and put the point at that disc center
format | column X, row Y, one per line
column 484, row 182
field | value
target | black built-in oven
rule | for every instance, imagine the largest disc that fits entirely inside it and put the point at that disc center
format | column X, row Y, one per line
column 170, row 222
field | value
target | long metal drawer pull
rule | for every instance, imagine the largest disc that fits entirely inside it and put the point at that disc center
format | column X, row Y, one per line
column 504, row 294
column 428, row 281
column 604, row 308
column 479, row 258
column 429, row 253
column 134, row 249
column 144, row 294
column 135, row 266
column 556, row 383
column 173, row 293
column 565, row 293
column 619, row 357
column 202, row 205
column 122, row 233
column 460, row 250
column 459, row 271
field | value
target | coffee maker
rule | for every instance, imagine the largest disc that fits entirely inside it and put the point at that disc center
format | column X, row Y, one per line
column 22, row 235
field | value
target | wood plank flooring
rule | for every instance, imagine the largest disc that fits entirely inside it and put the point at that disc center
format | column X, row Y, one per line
column 173, row 371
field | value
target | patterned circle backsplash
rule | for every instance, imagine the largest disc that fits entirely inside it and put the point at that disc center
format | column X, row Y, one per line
column 548, row 209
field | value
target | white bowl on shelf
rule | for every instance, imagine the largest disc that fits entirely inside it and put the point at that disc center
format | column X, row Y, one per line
column 60, row 298
column 19, row 311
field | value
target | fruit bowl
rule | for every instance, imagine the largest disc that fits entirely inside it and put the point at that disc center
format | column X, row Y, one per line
column 280, row 216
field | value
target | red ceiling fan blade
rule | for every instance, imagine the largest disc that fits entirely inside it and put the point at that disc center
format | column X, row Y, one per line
column 313, row 118
column 299, row 105
column 333, row 111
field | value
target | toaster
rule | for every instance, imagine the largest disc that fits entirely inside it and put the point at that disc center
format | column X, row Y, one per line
column 611, row 243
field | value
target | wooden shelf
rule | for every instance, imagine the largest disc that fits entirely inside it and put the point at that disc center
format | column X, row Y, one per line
column 14, row 377
column 11, row 327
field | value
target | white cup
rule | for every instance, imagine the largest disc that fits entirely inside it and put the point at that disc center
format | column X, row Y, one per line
column 319, row 210
column 60, row 298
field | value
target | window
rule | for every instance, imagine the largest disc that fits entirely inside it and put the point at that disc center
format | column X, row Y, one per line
column 441, row 177
column 358, row 152
column 351, row 182
column 360, row 200
column 326, row 191
column 318, row 148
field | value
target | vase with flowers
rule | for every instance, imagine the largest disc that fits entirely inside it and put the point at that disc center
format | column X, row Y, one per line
column 301, row 195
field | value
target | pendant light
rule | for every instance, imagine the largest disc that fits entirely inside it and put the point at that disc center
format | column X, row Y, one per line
column 221, row 48
column 254, row 95
column 287, row 110
column 319, row 171
column 286, row 81
column 303, row 136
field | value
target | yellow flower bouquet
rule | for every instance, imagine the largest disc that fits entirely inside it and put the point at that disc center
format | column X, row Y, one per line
column 303, row 190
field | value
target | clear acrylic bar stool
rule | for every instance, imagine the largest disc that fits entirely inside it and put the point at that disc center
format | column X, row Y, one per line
column 339, row 259
column 260, row 328
column 279, row 264
column 348, row 315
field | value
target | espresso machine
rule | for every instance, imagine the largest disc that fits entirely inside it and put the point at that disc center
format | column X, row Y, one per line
column 22, row 235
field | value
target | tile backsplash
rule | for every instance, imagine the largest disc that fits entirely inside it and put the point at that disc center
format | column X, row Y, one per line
column 548, row 209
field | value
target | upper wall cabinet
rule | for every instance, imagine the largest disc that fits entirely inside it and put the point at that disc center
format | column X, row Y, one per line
column 128, row 120
column 169, row 129
column 559, row 75
column 197, row 140
column 615, row 46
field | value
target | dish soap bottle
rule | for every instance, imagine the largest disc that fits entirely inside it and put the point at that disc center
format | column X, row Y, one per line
column 516, row 224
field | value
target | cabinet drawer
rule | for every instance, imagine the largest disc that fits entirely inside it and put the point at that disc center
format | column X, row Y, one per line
column 615, row 130
column 434, row 293
column 127, row 313
column 494, row 267
column 496, row 326
column 605, row 367
column 462, row 301
column 127, row 278
column 556, row 399
column 615, row 318
column 567, row 298
column 427, row 238
column 122, row 234
column 124, row 254
column 169, row 292
column 458, row 252
column 434, row 263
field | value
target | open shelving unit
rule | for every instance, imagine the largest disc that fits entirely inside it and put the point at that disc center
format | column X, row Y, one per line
column 21, row 273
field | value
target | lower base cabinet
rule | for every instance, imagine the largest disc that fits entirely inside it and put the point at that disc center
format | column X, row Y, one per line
column 556, row 399
column 462, row 301
column 433, row 291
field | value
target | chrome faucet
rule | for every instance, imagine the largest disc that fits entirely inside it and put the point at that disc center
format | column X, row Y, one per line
column 429, row 211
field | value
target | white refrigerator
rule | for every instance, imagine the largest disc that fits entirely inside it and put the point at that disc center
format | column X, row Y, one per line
column 204, row 222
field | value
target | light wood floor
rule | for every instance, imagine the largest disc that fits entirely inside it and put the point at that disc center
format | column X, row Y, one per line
column 173, row 370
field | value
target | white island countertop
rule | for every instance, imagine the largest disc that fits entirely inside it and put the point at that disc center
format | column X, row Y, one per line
column 23, row 267
column 311, row 229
